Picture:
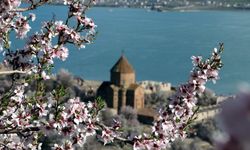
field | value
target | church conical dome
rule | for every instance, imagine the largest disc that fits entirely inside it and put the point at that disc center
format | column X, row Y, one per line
column 122, row 66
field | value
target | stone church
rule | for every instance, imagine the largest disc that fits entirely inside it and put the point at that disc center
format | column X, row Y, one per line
column 122, row 89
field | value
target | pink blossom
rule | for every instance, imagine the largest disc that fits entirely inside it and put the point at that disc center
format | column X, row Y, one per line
column 90, row 128
column 45, row 76
column 196, row 60
column 34, row 147
column 22, row 27
column 14, row 3
column 57, row 147
column 60, row 26
column 19, row 94
column 108, row 136
column 61, row 52
column 33, row 17
column 87, row 22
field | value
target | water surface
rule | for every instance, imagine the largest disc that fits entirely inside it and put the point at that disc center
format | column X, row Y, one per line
column 159, row 45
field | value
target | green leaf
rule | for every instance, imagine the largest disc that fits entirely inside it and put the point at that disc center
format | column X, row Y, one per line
column 100, row 103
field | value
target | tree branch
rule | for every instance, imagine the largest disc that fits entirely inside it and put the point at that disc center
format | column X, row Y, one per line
column 12, row 72
column 14, row 131
column 31, row 7
column 118, row 138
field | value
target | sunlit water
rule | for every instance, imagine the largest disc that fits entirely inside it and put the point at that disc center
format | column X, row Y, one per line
column 159, row 45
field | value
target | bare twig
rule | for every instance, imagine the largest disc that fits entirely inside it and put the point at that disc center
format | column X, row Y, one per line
column 12, row 72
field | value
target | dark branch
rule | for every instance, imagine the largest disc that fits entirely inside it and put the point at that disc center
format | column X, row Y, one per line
column 14, row 131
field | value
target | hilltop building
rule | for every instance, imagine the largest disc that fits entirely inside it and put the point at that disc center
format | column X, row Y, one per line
column 122, row 90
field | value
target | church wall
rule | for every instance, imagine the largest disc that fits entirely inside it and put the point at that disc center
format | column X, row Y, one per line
column 122, row 79
column 121, row 98
column 115, row 98
column 139, row 98
column 127, row 79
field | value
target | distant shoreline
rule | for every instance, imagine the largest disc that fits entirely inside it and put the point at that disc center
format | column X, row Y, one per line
column 200, row 8
column 170, row 9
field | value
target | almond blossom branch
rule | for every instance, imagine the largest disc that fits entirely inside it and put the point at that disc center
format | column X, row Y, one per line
column 31, row 7
column 173, row 120
column 23, row 116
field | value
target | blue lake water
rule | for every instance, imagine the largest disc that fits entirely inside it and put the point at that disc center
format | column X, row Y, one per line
column 159, row 45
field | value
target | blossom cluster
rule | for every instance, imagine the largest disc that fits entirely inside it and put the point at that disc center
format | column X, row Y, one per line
column 23, row 117
column 11, row 21
column 17, row 115
column 173, row 121
column 41, row 48
column 74, row 120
